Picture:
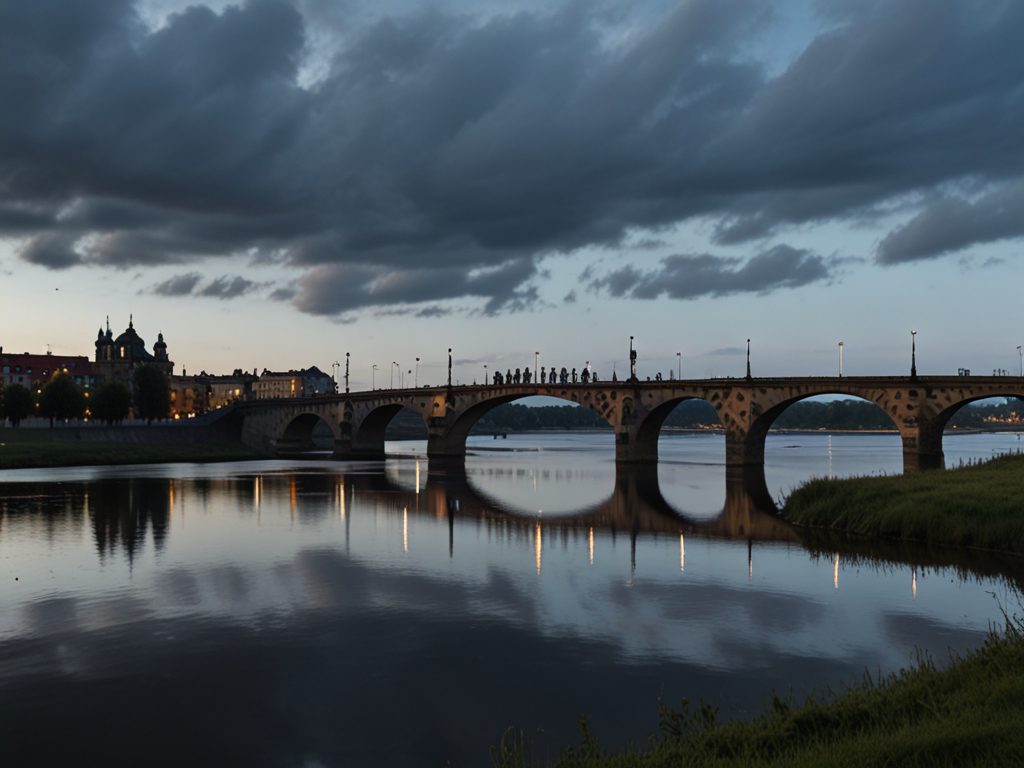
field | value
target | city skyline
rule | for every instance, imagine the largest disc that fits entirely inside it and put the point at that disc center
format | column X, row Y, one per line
column 274, row 184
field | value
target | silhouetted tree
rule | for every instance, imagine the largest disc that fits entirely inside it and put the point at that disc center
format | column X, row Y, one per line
column 18, row 403
column 152, row 393
column 111, row 402
column 62, row 398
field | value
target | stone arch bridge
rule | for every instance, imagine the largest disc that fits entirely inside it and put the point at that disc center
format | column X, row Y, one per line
column 919, row 408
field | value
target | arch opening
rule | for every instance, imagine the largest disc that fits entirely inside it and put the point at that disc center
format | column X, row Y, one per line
column 830, row 435
column 688, row 442
column 306, row 433
column 372, row 432
column 981, row 428
column 536, row 456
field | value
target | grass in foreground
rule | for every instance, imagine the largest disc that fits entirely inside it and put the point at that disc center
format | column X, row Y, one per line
column 975, row 506
column 969, row 714
column 31, row 455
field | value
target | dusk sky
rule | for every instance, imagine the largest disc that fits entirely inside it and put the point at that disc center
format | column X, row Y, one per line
column 274, row 184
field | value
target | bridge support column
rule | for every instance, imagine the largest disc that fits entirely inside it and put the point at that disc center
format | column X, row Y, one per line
column 633, row 447
column 744, row 451
column 445, row 445
column 922, row 447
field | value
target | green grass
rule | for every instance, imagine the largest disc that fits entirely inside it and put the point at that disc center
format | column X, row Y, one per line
column 968, row 714
column 29, row 455
column 976, row 506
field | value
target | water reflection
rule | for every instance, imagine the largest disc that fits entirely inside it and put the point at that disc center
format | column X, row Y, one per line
column 128, row 514
column 405, row 613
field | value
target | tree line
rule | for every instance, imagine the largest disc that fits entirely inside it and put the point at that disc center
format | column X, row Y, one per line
column 699, row 414
column 63, row 399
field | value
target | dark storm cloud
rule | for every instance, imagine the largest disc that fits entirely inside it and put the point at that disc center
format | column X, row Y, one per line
column 227, row 287
column 179, row 285
column 339, row 288
column 54, row 251
column 439, row 157
column 692, row 276
column 953, row 224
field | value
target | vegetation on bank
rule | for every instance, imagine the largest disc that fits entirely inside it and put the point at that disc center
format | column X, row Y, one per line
column 64, row 399
column 974, row 506
column 35, row 455
column 968, row 714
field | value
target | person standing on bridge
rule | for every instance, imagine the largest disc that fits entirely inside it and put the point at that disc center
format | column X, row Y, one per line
column 573, row 375
column 585, row 376
column 543, row 374
column 526, row 375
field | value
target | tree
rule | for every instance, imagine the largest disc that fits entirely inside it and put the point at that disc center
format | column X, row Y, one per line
column 18, row 403
column 152, row 393
column 111, row 403
column 62, row 398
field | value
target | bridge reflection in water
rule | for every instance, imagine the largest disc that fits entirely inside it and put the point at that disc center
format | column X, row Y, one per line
column 127, row 514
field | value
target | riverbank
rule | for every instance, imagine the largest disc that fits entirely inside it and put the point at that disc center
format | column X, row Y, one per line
column 980, row 506
column 41, row 455
column 968, row 714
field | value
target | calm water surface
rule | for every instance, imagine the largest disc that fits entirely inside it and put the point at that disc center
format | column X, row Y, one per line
column 320, row 613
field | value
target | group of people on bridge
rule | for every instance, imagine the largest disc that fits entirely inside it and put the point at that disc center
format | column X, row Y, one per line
column 563, row 376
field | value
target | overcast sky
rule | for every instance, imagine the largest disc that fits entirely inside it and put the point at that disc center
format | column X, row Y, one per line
column 273, row 184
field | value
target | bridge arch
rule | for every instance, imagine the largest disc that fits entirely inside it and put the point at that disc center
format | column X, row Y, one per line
column 753, row 442
column 451, row 442
column 647, row 433
column 949, row 407
column 307, row 431
column 369, row 433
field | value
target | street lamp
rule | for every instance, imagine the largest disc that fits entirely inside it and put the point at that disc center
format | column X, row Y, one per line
column 913, row 355
column 485, row 374
column 632, row 360
column 346, row 372
column 416, row 380
column 679, row 365
column 536, row 357
column 393, row 366
column 840, row 359
column 373, row 376
column 449, row 367
column 748, row 358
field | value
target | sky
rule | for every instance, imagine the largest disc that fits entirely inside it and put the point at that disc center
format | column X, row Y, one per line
column 274, row 183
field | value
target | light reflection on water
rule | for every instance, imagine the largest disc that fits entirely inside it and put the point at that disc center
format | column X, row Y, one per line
column 405, row 614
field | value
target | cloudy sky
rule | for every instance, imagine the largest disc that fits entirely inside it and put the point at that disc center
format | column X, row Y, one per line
column 275, row 183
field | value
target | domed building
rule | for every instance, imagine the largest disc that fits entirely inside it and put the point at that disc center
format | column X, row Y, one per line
column 116, row 358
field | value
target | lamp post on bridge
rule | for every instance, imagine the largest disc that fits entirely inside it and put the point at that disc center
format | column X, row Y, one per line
column 346, row 372
column 536, row 359
column 394, row 364
column 416, row 380
column 373, row 376
column 632, row 360
column 449, row 367
column 679, row 365
column 1020, row 355
column 748, row 359
column 840, row 359
column 913, row 355
column 485, row 374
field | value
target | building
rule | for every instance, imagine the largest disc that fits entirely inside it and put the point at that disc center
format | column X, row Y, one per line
column 193, row 395
column 307, row 382
column 34, row 371
column 117, row 358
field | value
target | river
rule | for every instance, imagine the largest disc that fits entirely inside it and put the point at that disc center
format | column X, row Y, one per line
column 392, row 613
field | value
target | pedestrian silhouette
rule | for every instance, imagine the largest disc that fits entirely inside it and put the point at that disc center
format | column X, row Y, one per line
column 573, row 375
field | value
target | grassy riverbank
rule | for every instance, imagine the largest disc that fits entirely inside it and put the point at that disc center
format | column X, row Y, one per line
column 969, row 714
column 976, row 506
column 34, row 455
